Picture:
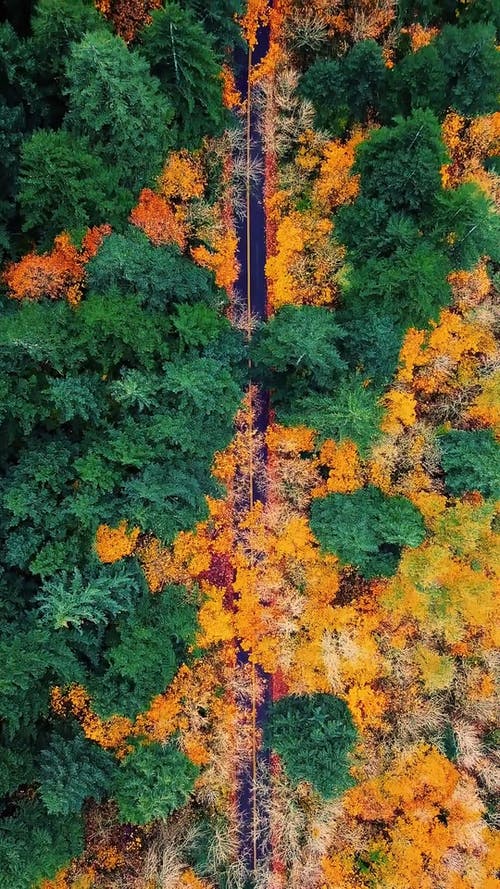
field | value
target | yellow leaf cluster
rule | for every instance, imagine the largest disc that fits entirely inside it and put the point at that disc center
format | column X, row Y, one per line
column 182, row 177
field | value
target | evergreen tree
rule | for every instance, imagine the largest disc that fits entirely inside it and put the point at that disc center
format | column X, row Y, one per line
column 367, row 529
column 313, row 735
column 182, row 56
column 152, row 782
column 117, row 105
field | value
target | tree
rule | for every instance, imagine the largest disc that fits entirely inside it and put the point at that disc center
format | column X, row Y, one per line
column 71, row 771
column 314, row 735
column 352, row 411
column 467, row 225
column 35, row 845
column 64, row 185
column 324, row 86
column 55, row 27
column 181, row 55
column 148, row 646
column 364, row 74
column 117, row 106
column 152, row 782
column 471, row 462
column 158, row 275
column 100, row 594
column 219, row 18
column 418, row 81
column 297, row 350
column 472, row 68
column 400, row 165
column 367, row 529
column 410, row 286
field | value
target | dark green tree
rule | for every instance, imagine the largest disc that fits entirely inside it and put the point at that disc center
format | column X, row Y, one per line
column 35, row 845
column 367, row 529
column 117, row 105
column 71, row 771
column 365, row 77
column 182, row 56
column 152, row 782
column 323, row 85
column 314, row 735
column 158, row 275
column 219, row 19
column 400, row 165
column 466, row 225
column 148, row 645
column 65, row 186
column 297, row 350
column 472, row 68
column 418, row 81
column 471, row 462
column 350, row 411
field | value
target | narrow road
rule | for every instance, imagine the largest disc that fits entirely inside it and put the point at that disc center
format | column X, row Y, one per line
column 252, row 290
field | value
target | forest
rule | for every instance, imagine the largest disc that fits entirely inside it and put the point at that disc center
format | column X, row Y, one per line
column 249, row 559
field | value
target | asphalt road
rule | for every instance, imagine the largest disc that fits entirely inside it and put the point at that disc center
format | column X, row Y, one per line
column 252, row 291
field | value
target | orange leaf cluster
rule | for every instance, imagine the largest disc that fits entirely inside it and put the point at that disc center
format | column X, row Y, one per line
column 485, row 409
column 344, row 468
column 445, row 357
column 336, row 185
column 257, row 14
column 400, row 411
column 230, row 93
column 162, row 222
column 420, row 36
column 108, row 733
column 301, row 272
column 112, row 544
column 469, row 142
column 424, row 814
column 58, row 274
column 128, row 16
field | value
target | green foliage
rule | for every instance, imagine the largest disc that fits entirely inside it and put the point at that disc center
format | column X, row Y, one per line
column 418, row 81
column 400, row 165
column 148, row 645
column 365, row 75
column 367, row 529
column 71, row 771
column 410, row 286
column 117, row 105
column 182, row 56
column 344, row 90
column 472, row 68
column 218, row 18
column 55, row 26
column 159, row 276
column 467, row 225
column 73, row 599
column 351, row 411
column 35, row 845
column 297, row 350
column 152, row 782
column 314, row 735
column 471, row 462
column 33, row 659
column 65, row 186
column 371, row 345
column 323, row 85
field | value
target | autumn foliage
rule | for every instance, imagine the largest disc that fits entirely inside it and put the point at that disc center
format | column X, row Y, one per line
column 59, row 274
